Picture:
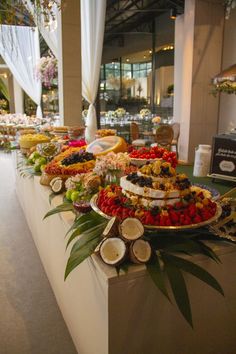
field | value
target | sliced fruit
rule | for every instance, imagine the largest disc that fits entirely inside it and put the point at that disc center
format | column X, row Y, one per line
column 140, row 251
column 113, row 251
column 131, row 229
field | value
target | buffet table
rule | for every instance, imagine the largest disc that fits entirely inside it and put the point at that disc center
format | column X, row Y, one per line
column 126, row 314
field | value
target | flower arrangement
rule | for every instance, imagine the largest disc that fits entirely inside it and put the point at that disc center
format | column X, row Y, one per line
column 111, row 114
column 111, row 162
column 156, row 120
column 144, row 112
column 46, row 70
column 120, row 112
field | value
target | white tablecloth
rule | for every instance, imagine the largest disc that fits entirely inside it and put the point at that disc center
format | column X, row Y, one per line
column 127, row 314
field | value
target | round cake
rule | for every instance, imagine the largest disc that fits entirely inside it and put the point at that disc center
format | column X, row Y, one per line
column 158, row 196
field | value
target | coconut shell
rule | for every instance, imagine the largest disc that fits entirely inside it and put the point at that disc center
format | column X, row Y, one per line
column 131, row 229
column 113, row 251
column 136, row 256
column 112, row 228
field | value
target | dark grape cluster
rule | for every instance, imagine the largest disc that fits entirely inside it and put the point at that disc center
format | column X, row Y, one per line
column 139, row 180
column 77, row 157
column 183, row 183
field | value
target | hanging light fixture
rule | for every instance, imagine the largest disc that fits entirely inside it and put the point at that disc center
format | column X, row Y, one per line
column 173, row 13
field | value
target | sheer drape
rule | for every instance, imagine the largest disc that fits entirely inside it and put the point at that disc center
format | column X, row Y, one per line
column 19, row 47
column 49, row 30
column 92, row 32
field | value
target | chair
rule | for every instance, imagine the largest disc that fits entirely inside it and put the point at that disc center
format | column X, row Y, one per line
column 176, row 129
column 164, row 136
column 134, row 136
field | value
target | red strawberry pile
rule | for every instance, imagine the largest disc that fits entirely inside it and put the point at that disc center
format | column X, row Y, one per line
column 112, row 202
column 155, row 152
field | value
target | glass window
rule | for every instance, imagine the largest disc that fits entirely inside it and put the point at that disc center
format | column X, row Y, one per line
column 135, row 66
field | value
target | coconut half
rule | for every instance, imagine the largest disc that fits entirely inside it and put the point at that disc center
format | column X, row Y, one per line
column 113, row 251
column 57, row 185
column 111, row 230
column 140, row 251
column 131, row 229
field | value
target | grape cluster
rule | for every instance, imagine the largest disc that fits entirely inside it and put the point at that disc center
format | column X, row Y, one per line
column 139, row 180
column 77, row 157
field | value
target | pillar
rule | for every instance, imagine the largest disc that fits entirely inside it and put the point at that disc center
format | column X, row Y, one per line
column 69, row 64
column 198, row 53
column 11, row 92
column 18, row 97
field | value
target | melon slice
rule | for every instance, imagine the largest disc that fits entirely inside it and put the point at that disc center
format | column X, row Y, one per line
column 131, row 229
column 140, row 251
column 113, row 251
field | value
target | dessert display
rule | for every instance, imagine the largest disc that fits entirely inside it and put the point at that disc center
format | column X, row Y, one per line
column 225, row 227
column 27, row 141
column 75, row 132
column 141, row 156
column 158, row 196
column 100, row 133
column 107, row 144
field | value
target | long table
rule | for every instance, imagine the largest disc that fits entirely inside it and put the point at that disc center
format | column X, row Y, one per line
column 110, row 314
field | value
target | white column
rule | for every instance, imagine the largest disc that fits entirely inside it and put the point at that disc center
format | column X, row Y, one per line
column 198, row 48
column 18, row 97
column 69, row 64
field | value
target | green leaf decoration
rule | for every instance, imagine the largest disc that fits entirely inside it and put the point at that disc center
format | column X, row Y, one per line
column 87, row 226
column 157, row 275
column 208, row 251
column 51, row 196
column 83, row 218
column 179, row 290
column 87, row 236
column 59, row 209
column 193, row 269
column 81, row 254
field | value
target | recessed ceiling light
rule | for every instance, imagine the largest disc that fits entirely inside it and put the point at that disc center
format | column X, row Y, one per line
column 150, row 51
column 144, row 56
column 127, row 59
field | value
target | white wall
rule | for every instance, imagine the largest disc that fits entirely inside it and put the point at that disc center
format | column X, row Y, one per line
column 227, row 112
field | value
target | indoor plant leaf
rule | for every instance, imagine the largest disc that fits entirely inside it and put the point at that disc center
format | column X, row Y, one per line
column 179, row 290
column 87, row 236
column 86, row 226
column 193, row 269
column 80, row 255
column 59, row 209
column 157, row 275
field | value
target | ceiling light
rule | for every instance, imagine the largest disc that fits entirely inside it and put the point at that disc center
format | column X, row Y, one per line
column 144, row 56
column 173, row 13
column 150, row 51
column 127, row 59
column 5, row 75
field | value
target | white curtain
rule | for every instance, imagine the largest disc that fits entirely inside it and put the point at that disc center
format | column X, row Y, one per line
column 92, row 32
column 19, row 47
column 48, row 30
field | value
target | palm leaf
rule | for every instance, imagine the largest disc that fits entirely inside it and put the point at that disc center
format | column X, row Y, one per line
column 179, row 290
column 208, row 251
column 83, row 218
column 59, row 209
column 157, row 275
column 195, row 270
column 85, row 227
column 80, row 255
column 87, row 236
column 51, row 196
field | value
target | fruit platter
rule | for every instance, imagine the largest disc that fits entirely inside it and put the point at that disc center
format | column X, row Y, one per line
column 159, row 197
column 140, row 157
